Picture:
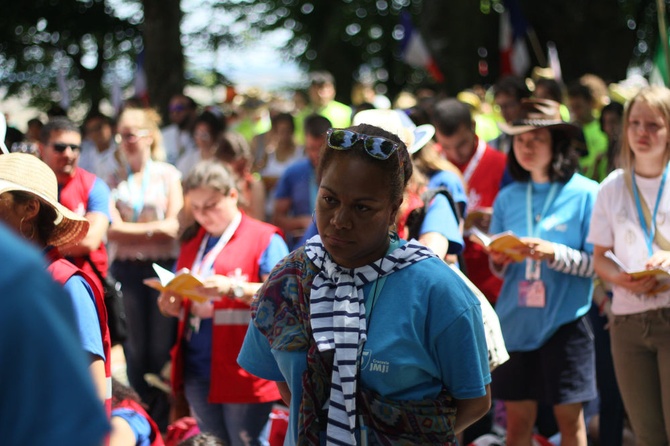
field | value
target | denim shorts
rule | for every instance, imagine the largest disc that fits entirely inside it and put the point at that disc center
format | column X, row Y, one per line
column 562, row 371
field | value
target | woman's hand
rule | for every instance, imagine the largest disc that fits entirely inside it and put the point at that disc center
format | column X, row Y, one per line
column 660, row 259
column 170, row 303
column 538, row 249
column 204, row 310
column 644, row 285
column 216, row 286
column 500, row 258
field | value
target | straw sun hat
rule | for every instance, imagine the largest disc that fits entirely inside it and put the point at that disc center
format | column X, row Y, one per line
column 539, row 113
column 24, row 172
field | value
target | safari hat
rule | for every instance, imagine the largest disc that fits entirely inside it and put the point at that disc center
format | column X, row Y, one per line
column 398, row 123
column 25, row 172
column 539, row 113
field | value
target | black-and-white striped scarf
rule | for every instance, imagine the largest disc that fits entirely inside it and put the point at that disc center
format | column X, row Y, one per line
column 337, row 317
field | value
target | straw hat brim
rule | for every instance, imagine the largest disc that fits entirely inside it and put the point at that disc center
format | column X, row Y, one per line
column 571, row 129
column 70, row 227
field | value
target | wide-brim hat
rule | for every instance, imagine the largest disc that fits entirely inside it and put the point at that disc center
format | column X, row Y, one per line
column 539, row 113
column 25, row 172
column 398, row 123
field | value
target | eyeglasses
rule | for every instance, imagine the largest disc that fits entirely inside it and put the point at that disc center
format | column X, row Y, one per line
column 131, row 137
column 205, row 136
column 61, row 147
column 375, row 146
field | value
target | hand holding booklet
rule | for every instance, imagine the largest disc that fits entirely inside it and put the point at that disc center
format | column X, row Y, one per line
column 661, row 275
column 183, row 283
column 505, row 242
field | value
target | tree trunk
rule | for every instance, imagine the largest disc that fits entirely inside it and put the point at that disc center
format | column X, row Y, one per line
column 163, row 52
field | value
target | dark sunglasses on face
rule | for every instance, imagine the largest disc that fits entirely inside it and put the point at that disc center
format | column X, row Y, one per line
column 375, row 146
column 177, row 108
column 60, row 147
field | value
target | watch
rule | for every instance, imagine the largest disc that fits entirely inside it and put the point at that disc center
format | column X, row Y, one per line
column 237, row 290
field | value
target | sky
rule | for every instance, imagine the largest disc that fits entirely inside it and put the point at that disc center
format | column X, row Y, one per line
column 259, row 64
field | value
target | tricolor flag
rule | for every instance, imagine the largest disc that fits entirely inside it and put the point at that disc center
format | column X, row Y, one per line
column 414, row 49
column 514, row 56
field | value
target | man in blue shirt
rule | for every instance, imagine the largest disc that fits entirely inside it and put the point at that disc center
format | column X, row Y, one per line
column 296, row 190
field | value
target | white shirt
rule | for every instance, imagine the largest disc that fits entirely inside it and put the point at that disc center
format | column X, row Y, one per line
column 615, row 223
column 176, row 142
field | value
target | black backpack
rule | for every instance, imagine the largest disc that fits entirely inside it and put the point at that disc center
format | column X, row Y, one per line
column 416, row 216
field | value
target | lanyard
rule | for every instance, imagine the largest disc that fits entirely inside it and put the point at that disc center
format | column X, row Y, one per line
column 649, row 233
column 474, row 162
column 204, row 263
column 137, row 197
column 534, row 230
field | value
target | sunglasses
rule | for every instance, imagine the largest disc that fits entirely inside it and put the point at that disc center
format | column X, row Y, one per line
column 60, row 147
column 375, row 146
column 131, row 137
column 177, row 108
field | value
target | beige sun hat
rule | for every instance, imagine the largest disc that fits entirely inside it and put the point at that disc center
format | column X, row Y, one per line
column 398, row 123
column 25, row 172
column 539, row 113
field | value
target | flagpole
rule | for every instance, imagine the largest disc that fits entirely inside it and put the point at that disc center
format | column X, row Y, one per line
column 537, row 48
column 663, row 32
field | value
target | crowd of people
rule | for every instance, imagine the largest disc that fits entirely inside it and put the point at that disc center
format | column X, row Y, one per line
column 348, row 269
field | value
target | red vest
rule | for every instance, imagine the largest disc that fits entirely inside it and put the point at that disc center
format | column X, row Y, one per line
column 229, row 382
column 156, row 438
column 74, row 196
column 61, row 270
column 483, row 188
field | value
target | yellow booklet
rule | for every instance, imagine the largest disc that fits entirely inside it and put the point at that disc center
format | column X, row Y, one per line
column 505, row 242
column 183, row 283
column 662, row 276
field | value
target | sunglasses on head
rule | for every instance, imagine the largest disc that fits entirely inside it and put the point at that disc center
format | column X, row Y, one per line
column 375, row 146
column 61, row 147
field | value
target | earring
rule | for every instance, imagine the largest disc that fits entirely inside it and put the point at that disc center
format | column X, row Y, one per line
column 32, row 232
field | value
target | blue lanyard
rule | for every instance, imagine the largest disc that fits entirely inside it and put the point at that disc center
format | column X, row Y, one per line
column 136, row 197
column 649, row 233
column 533, row 230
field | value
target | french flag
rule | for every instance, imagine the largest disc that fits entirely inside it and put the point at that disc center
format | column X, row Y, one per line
column 415, row 51
column 514, row 55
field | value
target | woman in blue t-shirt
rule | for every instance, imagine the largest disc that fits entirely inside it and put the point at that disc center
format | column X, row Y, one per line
column 547, row 290
column 357, row 322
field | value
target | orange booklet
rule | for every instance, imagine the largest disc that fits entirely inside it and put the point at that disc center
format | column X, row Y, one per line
column 662, row 276
column 505, row 242
column 183, row 283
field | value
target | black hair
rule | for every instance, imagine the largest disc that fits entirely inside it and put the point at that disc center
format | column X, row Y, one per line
column 579, row 90
column 190, row 102
column 321, row 77
column 121, row 392
column 612, row 107
column 216, row 124
column 316, row 125
column 59, row 123
column 553, row 88
column 450, row 114
column 283, row 117
column 202, row 439
column 564, row 160
column 45, row 219
column 397, row 169
column 513, row 86
column 94, row 114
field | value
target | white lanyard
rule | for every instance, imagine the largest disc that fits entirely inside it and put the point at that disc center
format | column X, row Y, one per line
column 533, row 227
column 474, row 162
column 203, row 264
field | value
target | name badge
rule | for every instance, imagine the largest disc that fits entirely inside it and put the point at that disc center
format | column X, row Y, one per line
column 532, row 294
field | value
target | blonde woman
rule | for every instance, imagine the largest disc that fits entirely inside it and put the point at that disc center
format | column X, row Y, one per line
column 630, row 220
column 143, row 231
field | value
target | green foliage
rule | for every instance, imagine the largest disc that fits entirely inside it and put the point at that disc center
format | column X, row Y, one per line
column 80, row 38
